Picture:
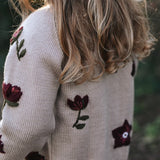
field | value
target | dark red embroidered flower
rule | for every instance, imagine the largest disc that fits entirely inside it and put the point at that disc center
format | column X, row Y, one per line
column 1, row 146
column 79, row 103
column 11, row 94
column 34, row 156
column 122, row 135
column 15, row 35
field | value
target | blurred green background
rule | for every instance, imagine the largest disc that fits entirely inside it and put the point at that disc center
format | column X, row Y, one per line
column 146, row 130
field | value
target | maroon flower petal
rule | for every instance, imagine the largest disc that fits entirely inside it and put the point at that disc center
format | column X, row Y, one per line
column 118, row 132
column 6, row 89
column 85, row 101
column 117, row 144
column 72, row 105
column 34, row 156
column 127, row 126
column 77, row 98
column 114, row 133
column 15, row 94
column 78, row 101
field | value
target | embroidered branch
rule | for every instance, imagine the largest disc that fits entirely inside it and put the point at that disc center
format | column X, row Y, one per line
column 20, row 52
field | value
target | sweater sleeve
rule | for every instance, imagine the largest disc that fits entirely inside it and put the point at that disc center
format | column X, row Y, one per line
column 29, row 88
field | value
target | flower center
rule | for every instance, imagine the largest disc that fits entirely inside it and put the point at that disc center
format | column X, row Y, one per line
column 125, row 135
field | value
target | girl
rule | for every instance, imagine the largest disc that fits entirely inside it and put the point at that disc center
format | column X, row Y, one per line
column 68, row 83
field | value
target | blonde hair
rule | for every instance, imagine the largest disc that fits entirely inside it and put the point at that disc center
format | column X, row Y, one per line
column 98, row 34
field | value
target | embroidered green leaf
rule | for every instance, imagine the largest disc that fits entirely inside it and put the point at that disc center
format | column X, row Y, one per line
column 83, row 118
column 21, row 44
column 80, row 126
column 23, row 52
column 13, row 104
column 17, row 46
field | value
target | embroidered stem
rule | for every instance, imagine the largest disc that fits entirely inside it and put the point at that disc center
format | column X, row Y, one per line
column 77, row 118
column 4, row 102
column 17, row 43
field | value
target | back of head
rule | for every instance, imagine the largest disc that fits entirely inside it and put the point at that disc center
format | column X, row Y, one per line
column 98, row 33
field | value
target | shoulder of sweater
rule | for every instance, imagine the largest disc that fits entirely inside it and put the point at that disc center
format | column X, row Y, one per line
column 39, row 33
column 40, row 20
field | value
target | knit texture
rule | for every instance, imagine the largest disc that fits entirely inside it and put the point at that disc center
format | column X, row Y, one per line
column 61, row 122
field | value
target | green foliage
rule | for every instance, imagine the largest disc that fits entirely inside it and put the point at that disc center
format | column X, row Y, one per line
column 152, row 131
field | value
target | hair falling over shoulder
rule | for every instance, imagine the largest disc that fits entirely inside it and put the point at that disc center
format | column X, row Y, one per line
column 98, row 33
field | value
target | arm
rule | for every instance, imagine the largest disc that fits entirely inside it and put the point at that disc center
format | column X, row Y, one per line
column 28, row 116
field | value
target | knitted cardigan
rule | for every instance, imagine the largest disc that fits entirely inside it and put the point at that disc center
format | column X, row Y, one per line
column 44, row 120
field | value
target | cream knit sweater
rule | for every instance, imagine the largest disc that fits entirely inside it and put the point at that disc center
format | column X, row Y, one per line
column 43, row 120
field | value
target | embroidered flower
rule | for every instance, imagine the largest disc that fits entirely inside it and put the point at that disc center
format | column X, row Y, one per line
column 1, row 146
column 15, row 36
column 34, row 156
column 11, row 94
column 122, row 135
column 77, row 105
